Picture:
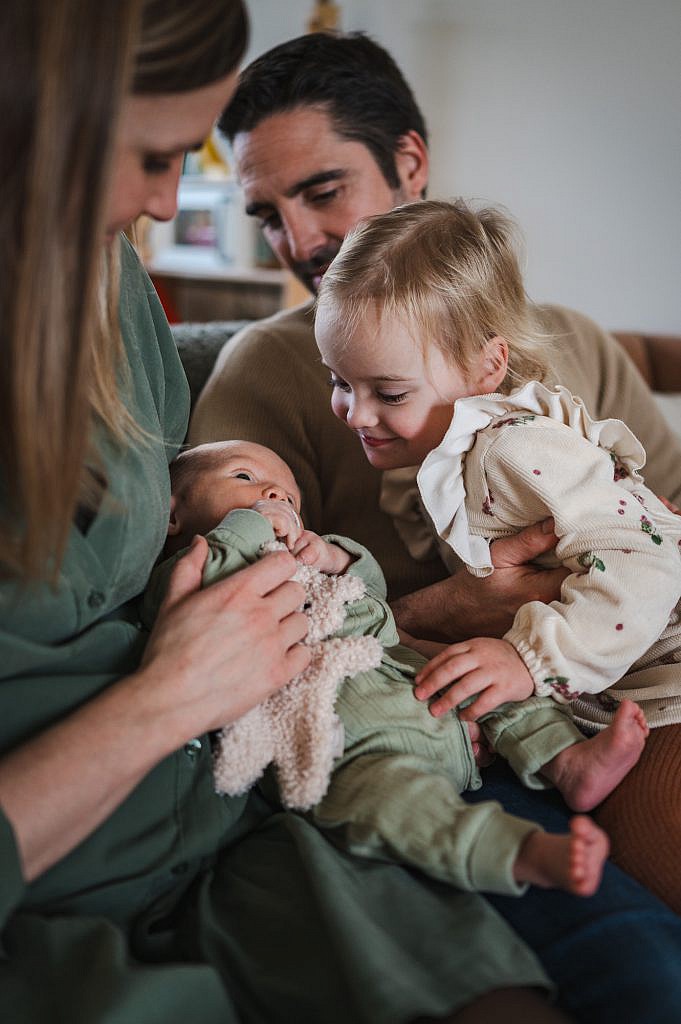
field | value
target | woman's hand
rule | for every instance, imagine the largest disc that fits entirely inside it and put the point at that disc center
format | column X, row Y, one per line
column 212, row 655
column 215, row 653
column 493, row 669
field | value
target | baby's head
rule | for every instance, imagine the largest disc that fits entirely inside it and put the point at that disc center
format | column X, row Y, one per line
column 211, row 480
column 423, row 305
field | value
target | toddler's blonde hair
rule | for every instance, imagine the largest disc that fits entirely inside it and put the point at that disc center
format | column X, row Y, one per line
column 449, row 273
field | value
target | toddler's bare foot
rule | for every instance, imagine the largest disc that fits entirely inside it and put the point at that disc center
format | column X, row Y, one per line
column 587, row 772
column 573, row 862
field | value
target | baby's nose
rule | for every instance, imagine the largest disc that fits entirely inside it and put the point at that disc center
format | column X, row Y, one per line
column 274, row 493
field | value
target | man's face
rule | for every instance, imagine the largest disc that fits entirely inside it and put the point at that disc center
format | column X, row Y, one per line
column 307, row 186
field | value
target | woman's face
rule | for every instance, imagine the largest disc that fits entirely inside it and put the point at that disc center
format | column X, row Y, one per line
column 154, row 134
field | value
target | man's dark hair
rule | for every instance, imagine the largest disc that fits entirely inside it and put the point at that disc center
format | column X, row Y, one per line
column 350, row 76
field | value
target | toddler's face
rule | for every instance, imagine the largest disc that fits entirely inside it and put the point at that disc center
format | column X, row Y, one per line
column 246, row 473
column 397, row 402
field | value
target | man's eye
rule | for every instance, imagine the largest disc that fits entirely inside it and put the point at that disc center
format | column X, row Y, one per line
column 243, row 476
column 272, row 222
column 324, row 197
column 393, row 399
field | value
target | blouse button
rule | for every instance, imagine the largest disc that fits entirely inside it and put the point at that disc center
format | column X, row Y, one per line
column 95, row 599
column 192, row 749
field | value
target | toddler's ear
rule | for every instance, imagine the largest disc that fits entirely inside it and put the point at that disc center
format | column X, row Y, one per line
column 174, row 525
column 493, row 365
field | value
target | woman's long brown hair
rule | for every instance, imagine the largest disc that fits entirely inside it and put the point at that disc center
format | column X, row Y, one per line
column 64, row 69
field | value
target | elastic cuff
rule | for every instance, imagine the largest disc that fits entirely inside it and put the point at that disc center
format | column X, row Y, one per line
column 496, row 851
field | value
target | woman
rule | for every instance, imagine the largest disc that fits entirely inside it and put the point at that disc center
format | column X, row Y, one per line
column 130, row 891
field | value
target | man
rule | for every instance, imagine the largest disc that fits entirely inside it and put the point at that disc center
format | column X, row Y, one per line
column 326, row 131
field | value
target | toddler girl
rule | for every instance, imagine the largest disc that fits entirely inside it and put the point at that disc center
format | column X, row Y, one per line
column 436, row 364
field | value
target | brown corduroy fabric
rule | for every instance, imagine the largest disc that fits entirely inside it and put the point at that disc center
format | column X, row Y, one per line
column 643, row 817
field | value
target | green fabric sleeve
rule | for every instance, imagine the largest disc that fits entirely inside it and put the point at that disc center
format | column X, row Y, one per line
column 365, row 565
column 372, row 615
column 232, row 545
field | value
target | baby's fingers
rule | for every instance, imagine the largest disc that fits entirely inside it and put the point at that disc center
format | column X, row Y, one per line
column 442, row 670
column 468, row 686
column 306, row 548
column 489, row 700
column 449, row 653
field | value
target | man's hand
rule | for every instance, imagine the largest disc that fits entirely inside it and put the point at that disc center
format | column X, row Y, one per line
column 491, row 668
column 464, row 605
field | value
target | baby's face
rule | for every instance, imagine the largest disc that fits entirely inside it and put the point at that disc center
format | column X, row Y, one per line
column 245, row 474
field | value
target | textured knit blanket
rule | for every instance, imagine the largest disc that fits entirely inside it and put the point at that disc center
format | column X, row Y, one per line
column 297, row 728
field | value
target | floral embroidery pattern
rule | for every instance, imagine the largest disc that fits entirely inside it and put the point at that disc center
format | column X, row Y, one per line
column 648, row 528
column 588, row 559
column 560, row 685
column 487, row 505
column 514, row 421
column 620, row 471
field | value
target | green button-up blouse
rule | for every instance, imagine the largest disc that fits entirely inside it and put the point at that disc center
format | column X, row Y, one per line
column 60, row 646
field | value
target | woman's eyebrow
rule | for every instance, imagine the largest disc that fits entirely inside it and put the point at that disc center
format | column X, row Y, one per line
column 189, row 147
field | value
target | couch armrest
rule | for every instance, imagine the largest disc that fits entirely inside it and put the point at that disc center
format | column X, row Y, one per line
column 657, row 358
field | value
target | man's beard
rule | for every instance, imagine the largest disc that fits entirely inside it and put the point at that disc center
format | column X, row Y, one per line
column 307, row 270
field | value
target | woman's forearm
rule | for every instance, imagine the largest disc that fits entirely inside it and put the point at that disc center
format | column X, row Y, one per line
column 212, row 656
column 58, row 787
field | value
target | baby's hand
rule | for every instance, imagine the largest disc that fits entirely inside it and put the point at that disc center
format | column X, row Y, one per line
column 312, row 549
column 492, row 669
column 283, row 517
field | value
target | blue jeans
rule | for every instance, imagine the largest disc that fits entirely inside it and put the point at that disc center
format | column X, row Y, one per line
column 616, row 956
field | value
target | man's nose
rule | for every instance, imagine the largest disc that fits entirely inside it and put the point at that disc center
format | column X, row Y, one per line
column 303, row 235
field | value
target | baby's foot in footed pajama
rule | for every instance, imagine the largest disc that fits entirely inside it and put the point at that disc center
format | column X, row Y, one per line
column 572, row 862
column 587, row 772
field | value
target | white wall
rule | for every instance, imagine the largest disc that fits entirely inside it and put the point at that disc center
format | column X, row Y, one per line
column 566, row 111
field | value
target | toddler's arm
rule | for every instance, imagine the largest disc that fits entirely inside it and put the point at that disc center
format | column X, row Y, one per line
column 620, row 543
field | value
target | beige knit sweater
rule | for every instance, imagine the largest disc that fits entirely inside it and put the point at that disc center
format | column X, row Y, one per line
column 510, row 460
